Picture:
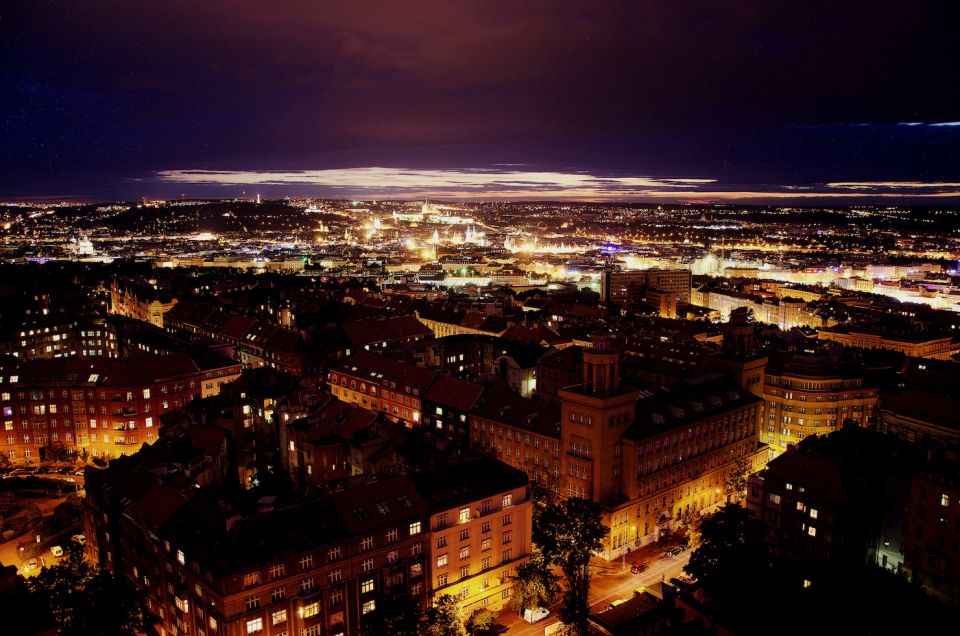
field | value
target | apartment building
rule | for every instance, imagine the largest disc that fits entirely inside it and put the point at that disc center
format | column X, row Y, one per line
column 521, row 432
column 382, row 384
column 106, row 407
column 317, row 566
column 140, row 300
column 811, row 395
column 629, row 288
column 481, row 516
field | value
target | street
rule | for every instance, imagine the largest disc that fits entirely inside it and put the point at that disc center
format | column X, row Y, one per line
column 609, row 582
column 9, row 554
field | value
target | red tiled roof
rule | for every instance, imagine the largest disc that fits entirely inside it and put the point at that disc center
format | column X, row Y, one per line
column 457, row 394
column 395, row 328
column 376, row 368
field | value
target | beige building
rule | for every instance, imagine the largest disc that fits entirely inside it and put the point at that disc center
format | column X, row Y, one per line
column 811, row 396
column 918, row 346
column 480, row 524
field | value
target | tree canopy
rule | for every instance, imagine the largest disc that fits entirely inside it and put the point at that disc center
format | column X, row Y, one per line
column 534, row 585
column 731, row 551
column 568, row 533
column 83, row 599
column 445, row 618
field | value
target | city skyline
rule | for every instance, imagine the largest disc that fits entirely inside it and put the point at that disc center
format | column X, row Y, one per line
column 812, row 104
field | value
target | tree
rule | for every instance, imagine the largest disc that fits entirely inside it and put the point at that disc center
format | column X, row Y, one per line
column 60, row 453
column 480, row 622
column 731, row 553
column 445, row 618
column 396, row 613
column 534, row 585
column 567, row 533
column 83, row 599
column 737, row 479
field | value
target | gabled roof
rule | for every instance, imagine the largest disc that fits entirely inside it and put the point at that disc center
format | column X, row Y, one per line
column 468, row 481
column 396, row 328
column 500, row 405
column 457, row 394
column 376, row 368
column 377, row 503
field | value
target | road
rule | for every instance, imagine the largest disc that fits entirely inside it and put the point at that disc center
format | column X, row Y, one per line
column 9, row 554
column 609, row 583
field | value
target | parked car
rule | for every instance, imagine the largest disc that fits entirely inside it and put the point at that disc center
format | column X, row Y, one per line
column 43, row 470
column 535, row 615
column 672, row 552
column 56, row 551
column 640, row 590
column 619, row 601
column 637, row 567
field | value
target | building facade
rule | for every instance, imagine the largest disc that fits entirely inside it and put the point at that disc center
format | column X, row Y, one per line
column 812, row 397
column 628, row 287
column 103, row 407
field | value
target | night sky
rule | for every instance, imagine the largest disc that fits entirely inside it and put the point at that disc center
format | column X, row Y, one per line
column 683, row 100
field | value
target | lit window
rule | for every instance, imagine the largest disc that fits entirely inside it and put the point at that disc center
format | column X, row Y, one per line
column 280, row 616
column 415, row 528
column 442, row 561
column 181, row 558
column 310, row 610
column 813, row 513
column 507, row 500
column 369, row 606
column 944, row 500
column 254, row 625
column 464, row 515
column 812, row 531
column 366, row 586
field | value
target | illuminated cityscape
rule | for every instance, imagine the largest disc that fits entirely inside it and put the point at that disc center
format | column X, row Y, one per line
column 463, row 320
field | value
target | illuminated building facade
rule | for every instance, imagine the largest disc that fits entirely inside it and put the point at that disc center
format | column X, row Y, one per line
column 140, row 301
column 812, row 396
column 322, row 566
column 481, row 519
column 104, row 407
column 650, row 460
column 938, row 348
column 628, row 288
column 521, row 432
column 67, row 339
column 378, row 383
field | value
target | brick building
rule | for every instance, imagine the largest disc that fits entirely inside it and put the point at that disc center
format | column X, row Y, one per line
column 107, row 407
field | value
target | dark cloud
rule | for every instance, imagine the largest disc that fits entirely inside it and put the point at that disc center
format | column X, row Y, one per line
column 99, row 93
